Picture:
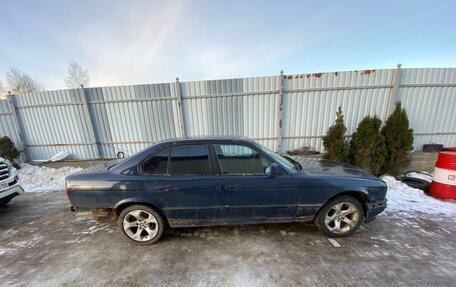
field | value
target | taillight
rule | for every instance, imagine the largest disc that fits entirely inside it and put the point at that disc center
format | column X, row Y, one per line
column 66, row 190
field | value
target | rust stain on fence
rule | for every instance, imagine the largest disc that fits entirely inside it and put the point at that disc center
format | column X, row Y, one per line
column 367, row 72
column 316, row 75
column 300, row 76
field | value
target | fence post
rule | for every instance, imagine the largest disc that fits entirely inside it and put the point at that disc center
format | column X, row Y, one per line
column 18, row 124
column 280, row 113
column 90, row 121
column 180, row 108
column 394, row 95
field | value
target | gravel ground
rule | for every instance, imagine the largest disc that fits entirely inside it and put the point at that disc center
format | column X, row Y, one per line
column 43, row 244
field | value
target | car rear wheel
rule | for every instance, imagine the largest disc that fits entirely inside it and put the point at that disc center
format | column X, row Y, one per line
column 141, row 224
column 340, row 217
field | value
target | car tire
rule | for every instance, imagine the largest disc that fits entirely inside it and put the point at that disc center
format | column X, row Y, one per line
column 4, row 202
column 417, row 183
column 141, row 224
column 340, row 217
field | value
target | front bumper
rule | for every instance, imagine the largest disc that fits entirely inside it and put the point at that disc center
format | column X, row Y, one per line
column 11, row 191
column 373, row 208
column 13, row 187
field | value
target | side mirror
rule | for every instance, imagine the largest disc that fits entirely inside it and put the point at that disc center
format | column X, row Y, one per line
column 274, row 169
column 120, row 154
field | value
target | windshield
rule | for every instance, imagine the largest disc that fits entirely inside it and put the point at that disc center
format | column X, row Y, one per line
column 283, row 161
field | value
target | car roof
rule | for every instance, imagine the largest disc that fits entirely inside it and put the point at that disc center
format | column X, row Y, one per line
column 208, row 139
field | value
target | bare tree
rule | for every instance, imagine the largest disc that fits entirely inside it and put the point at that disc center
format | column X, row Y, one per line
column 2, row 90
column 76, row 76
column 21, row 83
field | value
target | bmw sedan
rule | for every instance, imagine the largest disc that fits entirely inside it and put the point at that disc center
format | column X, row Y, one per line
column 224, row 181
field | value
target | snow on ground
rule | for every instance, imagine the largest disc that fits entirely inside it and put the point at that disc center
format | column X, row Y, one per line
column 406, row 201
column 43, row 179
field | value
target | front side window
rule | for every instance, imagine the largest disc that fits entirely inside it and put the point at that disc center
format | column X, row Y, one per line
column 286, row 163
column 240, row 159
column 189, row 159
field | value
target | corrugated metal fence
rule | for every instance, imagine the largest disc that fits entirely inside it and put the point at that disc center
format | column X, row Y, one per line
column 282, row 112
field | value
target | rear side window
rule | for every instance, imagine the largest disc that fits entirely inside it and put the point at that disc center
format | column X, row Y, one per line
column 189, row 159
column 158, row 164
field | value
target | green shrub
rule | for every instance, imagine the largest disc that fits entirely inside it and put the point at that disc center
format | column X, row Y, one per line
column 398, row 141
column 8, row 150
column 367, row 147
column 334, row 141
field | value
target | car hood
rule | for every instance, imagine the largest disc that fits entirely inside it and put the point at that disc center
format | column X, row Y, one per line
column 328, row 167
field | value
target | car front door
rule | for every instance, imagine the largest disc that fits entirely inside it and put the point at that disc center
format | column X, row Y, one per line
column 247, row 191
column 181, row 176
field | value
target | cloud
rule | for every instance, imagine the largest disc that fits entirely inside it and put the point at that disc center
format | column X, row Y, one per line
column 128, row 53
column 128, row 42
column 156, row 43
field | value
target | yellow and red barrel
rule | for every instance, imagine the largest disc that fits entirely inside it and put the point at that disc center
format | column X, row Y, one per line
column 444, row 181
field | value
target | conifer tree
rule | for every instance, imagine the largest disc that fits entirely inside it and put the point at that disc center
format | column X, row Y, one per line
column 334, row 141
column 398, row 141
column 367, row 147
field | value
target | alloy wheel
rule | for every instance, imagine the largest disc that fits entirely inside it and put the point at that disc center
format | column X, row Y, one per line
column 342, row 218
column 140, row 225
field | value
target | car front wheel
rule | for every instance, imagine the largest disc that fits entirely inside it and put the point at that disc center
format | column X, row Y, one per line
column 141, row 224
column 340, row 217
column 4, row 202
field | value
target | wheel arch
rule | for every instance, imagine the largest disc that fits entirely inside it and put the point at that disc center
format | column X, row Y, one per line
column 361, row 196
column 126, row 203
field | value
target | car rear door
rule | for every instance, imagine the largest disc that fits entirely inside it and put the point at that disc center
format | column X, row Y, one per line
column 247, row 192
column 183, row 177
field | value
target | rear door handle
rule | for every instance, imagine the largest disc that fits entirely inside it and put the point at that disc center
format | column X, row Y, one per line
column 231, row 186
column 162, row 187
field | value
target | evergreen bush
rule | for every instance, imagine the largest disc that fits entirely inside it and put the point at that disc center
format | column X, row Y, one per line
column 334, row 141
column 398, row 141
column 7, row 149
column 367, row 147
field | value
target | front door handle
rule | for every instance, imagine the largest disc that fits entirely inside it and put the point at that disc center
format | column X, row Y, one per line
column 231, row 186
column 162, row 187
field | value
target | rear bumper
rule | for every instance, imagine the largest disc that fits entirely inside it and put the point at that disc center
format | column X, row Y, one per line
column 373, row 208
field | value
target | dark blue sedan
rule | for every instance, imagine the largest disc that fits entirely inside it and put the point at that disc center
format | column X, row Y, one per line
column 221, row 181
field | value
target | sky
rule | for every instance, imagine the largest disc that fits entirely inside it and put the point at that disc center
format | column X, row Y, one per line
column 132, row 42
